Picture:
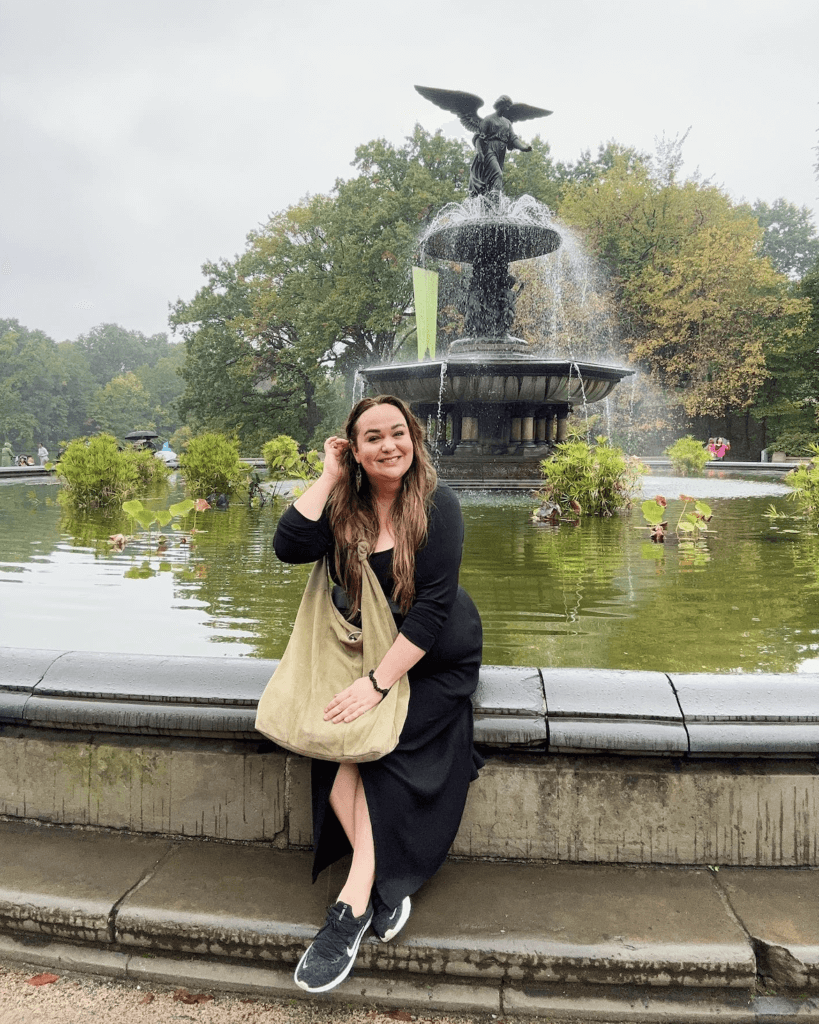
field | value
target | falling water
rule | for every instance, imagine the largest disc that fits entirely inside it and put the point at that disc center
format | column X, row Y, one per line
column 583, row 392
column 631, row 392
column 440, row 414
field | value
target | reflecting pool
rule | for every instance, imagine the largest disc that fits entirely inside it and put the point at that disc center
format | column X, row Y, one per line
column 597, row 595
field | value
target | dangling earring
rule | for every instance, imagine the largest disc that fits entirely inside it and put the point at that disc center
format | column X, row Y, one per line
column 358, row 476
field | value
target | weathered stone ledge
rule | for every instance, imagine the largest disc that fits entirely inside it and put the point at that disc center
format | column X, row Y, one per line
column 548, row 710
column 582, row 766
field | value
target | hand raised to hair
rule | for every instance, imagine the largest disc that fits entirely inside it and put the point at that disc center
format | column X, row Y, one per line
column 359, row 697
column 334, row 448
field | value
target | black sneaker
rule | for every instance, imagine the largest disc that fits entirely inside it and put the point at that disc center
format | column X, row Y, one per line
column 331, row 955
column 388, row 923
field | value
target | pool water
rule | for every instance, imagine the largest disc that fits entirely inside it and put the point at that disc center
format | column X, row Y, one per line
column 745, row 599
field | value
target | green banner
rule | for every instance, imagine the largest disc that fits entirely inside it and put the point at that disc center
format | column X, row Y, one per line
column 425, row 287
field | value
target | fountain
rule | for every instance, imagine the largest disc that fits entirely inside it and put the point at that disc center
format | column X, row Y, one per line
column 494, row 407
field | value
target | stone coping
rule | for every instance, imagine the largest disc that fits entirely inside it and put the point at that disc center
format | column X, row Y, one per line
column 549, row 710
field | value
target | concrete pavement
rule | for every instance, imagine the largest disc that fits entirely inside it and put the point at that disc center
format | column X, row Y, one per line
column 562, row 941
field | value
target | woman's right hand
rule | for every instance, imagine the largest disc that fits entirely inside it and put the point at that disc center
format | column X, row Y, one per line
column 334, row 448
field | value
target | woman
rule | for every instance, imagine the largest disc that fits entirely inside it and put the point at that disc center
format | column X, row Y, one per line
column 400, row 814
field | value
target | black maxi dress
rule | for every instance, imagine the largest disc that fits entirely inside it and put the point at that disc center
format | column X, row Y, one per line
column 415, row 794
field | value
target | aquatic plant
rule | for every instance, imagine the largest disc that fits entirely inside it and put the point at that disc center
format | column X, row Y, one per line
column 285, row 461
column 149, row 468
column 598, row 478
column 688, row 456
column 96, row 474
column 804, row 484
column 211, row 465
column 689, row 524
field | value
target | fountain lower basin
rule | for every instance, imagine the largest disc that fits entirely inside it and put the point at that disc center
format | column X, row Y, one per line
column 488, row 378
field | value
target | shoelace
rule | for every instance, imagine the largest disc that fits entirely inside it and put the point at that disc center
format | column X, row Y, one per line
column 334, row 936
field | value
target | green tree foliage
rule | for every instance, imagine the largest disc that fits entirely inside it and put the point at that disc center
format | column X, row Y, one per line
column 789, row 240
column 536, row 174
column 697, row 302
column 123, row 405
column 37, row 384
column 324, row 286
column 47, row 390
column 111, row 350
column 789, row 398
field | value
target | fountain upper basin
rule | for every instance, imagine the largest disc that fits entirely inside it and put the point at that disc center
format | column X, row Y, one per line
column 471, row 238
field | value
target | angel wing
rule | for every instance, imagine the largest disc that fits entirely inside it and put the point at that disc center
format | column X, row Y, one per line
column 523, row 112
column 464, row 104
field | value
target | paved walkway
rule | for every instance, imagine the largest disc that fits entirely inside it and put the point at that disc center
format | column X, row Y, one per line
column 562, row 941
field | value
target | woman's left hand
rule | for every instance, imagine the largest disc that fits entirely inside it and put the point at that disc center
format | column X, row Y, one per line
column 359, row 697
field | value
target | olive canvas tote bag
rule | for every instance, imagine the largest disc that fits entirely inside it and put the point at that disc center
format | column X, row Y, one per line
column 324, row 655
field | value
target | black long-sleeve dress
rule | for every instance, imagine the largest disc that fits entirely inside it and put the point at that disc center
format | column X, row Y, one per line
column 415, row 794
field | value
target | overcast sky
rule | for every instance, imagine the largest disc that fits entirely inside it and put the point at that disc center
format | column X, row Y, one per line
column 142, row 138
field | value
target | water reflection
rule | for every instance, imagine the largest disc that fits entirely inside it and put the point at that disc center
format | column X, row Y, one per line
column 594, row 595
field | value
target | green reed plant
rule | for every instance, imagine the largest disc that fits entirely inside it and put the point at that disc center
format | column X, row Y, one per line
column 211, row 465
column 688, row 456
column 96, row 474
column 598, row 477
column 150, row 469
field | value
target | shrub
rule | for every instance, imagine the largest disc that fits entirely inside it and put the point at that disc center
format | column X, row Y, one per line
column 285, row 461
column 795, row 442
column 96, row 474
column 688, row 456
column 599, row 477
column 212, row 466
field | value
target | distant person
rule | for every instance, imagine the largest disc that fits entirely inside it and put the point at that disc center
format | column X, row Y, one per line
column 718, row 446
column 6, row 455
column 42, row 454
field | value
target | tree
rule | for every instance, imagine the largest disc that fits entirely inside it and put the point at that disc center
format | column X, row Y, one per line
column 123, row 405
column 698, row 303
column 790, row 241
column 163, row 384
column 111, row 350
column 31, row 374
column 789, row 400
column 323, row 287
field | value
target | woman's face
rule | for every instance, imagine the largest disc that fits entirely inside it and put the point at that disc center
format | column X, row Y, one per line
column 382, row 445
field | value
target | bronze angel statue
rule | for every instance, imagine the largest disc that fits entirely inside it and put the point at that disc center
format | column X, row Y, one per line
column 493, row 134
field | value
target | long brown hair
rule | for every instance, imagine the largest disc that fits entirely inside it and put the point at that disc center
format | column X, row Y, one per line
column 353, row 516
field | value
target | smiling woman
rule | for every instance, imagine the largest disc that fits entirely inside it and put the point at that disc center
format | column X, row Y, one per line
column 398, row 814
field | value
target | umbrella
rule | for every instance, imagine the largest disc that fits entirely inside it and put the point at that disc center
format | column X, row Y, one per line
column 141, row 435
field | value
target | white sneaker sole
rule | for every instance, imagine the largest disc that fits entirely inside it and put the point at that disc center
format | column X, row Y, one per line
column 338, row 980
column 403, row 917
